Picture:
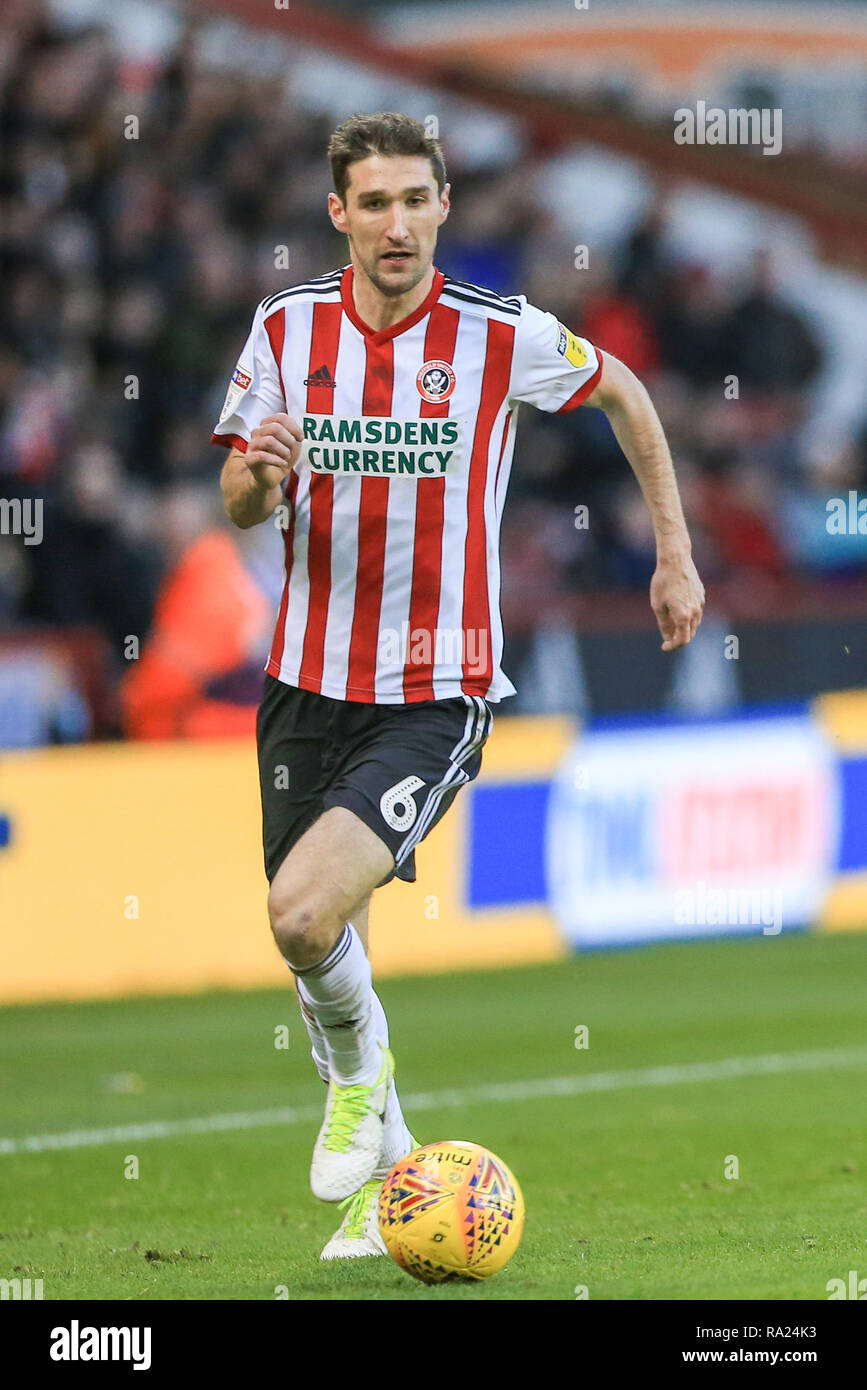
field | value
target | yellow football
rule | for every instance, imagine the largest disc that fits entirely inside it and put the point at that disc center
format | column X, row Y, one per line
column 451, row 1211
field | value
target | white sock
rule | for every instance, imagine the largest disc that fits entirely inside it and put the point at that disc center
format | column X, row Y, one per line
column 396, row 1139
column 339, row 992
column 318, row 1050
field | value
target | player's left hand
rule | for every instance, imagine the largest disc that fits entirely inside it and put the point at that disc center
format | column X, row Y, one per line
column 677, row 599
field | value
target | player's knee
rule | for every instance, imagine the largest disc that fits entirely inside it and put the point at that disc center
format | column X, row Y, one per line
column 299, row 926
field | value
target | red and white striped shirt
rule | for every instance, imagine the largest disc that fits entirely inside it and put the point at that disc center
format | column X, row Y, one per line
column 392, row 514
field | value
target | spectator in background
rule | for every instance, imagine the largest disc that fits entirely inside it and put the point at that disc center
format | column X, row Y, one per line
column 94, row 567
column 766, row 342
column 199, row 675
column 617, row 320
column 690, row 322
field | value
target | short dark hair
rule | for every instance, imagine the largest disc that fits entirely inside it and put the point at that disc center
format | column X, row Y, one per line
column 387, row 132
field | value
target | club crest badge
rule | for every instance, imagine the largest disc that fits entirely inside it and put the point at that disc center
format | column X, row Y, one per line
column 435, row 381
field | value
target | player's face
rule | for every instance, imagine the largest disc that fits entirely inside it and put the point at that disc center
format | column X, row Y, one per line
column 391, row 216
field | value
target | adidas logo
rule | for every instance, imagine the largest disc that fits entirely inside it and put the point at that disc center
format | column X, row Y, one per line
column 321, row 377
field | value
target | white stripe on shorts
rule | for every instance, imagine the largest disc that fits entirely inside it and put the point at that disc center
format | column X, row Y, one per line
column 478, row 716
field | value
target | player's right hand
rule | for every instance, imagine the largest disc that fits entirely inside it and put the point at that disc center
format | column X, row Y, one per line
column 274, row 449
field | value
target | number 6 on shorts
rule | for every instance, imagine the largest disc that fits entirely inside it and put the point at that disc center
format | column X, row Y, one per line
column 400, row 795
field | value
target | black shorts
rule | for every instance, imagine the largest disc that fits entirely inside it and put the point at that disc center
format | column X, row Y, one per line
column 398, row 767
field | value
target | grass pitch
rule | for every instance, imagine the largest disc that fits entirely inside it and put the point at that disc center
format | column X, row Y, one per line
column 624, row 1175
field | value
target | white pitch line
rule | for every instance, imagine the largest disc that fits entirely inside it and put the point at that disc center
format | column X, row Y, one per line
column 771, row 1064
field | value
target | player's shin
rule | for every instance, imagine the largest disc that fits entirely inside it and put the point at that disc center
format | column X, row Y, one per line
column 338, row 991
column 318, row 1050
column 397, row 1141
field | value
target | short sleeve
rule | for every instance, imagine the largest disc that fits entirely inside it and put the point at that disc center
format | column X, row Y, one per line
column 255, row 389
column 553, row 369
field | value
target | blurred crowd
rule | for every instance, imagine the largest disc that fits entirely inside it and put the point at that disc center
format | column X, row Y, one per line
column 141, row 213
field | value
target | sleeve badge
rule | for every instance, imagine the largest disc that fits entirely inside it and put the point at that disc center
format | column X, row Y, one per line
column 570, row 347
column 241, row 382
